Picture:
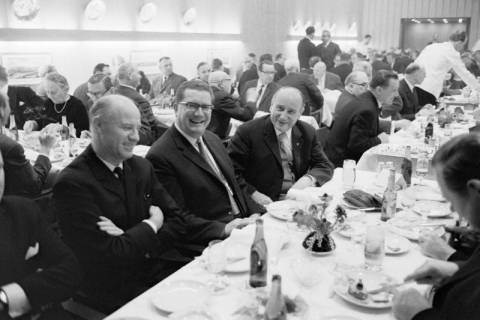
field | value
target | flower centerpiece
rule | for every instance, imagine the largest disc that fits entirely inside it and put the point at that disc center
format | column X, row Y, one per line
column 319, row 241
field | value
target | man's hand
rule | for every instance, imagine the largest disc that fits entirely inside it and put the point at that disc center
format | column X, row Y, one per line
column 402, row 124
column 407, row 303
column 47, row 141
column 237, row 224
column 109, row 227
column 156, row 216
column 433, row 272
column 435, row 247
column 85, row 134
column 29, row 126
column 384, row 138
column 251, row 95
column 260, row 198
column 302, row 183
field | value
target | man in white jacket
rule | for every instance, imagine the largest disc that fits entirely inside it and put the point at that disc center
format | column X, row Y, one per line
column 439, row 58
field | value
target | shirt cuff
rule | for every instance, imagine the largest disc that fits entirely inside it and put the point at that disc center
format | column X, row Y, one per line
column 312, row 178
column 151, row 224
column 18, row 303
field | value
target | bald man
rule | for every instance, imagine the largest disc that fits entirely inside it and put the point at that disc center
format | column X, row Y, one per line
column 278, row 152
column 113, row 212
column 325, row 79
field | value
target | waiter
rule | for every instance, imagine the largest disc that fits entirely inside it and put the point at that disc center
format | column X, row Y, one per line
column 438, row 59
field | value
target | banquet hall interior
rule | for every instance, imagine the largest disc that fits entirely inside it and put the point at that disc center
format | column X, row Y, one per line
column 238, row 160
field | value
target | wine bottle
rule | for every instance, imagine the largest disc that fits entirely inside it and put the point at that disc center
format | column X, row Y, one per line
column 258, row 258
column 276, row 308
column 428, row 132
column 13, row 128
column 389, row 201
column 407, row 166
column 64, row 134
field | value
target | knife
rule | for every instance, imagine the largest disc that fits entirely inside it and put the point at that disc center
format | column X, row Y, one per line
column 388, row 287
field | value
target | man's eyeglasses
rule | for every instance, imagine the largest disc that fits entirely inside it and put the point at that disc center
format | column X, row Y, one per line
column 97, row 94
column 192, row 106
column 363, row 84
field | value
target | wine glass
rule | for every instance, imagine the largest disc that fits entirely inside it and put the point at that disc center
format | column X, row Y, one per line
column 421, row 169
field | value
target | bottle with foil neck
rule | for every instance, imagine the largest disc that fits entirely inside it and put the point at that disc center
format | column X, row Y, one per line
column 276, row 308
column 407, row 166
column 258, row 258
column 389, row 201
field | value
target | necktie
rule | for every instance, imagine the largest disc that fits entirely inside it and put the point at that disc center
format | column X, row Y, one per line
column 212, row 164
column 287, row 160
column 118, row 172
column 260, row 93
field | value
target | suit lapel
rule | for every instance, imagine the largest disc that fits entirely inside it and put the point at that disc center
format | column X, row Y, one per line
column 105, row 176
column 297, row 146
column 130, row 188
column 271, row 140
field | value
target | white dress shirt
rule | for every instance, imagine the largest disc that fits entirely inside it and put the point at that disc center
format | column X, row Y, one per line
column 438, row 59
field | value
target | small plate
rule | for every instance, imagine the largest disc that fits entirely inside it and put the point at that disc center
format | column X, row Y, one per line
column 400, row 243
column 370, row 280
column 432, row 209
column 193, row 315
column 284, row 209
column 180, row 295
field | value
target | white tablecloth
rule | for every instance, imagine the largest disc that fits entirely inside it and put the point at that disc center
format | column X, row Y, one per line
column 322, row 302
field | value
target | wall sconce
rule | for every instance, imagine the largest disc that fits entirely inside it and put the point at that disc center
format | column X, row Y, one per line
column 147, row 12
column 189, row 16
column 25, row 10
column 95, row 9
column 296, row 25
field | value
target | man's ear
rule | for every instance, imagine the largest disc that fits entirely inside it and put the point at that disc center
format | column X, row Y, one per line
column 473, row 187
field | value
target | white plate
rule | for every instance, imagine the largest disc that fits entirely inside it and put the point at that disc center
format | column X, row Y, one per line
column 180, row 295
column 371, row 280
column 338, row 318
column 351, row 228
column 283, row 209
column 193, row 315
column 396, row 241
column 432, row 209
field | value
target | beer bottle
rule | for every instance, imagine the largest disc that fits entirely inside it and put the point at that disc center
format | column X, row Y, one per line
column 389, row 201
column 407, row 166
column 276, row 309
column 258, row 258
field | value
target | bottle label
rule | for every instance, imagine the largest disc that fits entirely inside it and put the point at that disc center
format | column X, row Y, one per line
column 258, row 269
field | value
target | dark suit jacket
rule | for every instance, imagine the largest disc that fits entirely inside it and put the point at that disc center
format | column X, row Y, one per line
column 342, row 71
column 401, row 63
column 409, row 100
column 268, row 93
column 311, row 94
column 118, row 267
column 22, row 227
column 344, row 98
column 148, row 130
column 378, row 65
column 328, row 53
column 24, row 104
column 74, row 111
column 355, row 130
column 305, row 50
column 250, row 74
column 165, row 87
column 255, row 154
column 280, row 71
column 226, row 107
column 191, row 181
column 21, row 178
column 333, row 81
column 457, row 298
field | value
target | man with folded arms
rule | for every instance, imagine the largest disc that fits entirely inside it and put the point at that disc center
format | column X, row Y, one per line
column 278, row 152
column 37, row 270
column 193, row 165
column 112, row 208
column 356, row 128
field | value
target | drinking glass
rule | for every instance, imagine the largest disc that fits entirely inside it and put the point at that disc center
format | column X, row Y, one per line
column 216, row 262
column 421, row 169
column 349, row 173
column 374, row 250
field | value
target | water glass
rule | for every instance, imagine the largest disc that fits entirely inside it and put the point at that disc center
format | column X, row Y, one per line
column 374, row 250
column 421, row 169
column 349, row 173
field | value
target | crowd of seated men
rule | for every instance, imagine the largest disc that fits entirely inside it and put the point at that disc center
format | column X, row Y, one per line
column 127, row 222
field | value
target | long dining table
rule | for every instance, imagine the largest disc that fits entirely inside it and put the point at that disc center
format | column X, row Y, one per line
column 311, row 277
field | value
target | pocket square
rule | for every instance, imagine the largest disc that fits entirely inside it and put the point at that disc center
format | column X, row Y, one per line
column 32, row 251
column 21, row 103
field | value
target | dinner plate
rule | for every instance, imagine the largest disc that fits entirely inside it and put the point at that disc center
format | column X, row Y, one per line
column 284, row 209
column 339, row 317
column 432, row 209
column 180, row 295
column 371, row 280
column 194, row 314
column 395, row 244
column 413, row 233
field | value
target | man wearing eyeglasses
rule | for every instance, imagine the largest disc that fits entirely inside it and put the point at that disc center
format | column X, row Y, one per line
column 98, row 86
column 225, row 106
column 264, row 86
column 356, row 83
column 193, row 165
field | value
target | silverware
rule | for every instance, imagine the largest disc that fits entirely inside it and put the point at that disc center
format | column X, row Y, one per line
column 388, row 287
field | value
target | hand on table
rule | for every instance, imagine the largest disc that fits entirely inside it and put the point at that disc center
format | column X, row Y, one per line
column 407, row 303
column 29, row 126
column 402, row 124
column 237, row 224
column 384, row 138
column 260, row 198
column 435, row 247
column 109, row 227
column 303, row 182
column 433, row 272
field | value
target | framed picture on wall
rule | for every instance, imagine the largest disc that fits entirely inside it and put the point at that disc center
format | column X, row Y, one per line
column 146, row 61
column 22, row 69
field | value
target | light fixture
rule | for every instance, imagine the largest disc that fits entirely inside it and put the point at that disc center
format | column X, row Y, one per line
column 25, row 9
column 147, row 12
column 460, row 20
column 95, row 9
column 445, row 20
column 297, row 25
column 189, row 16
column 415, row 20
